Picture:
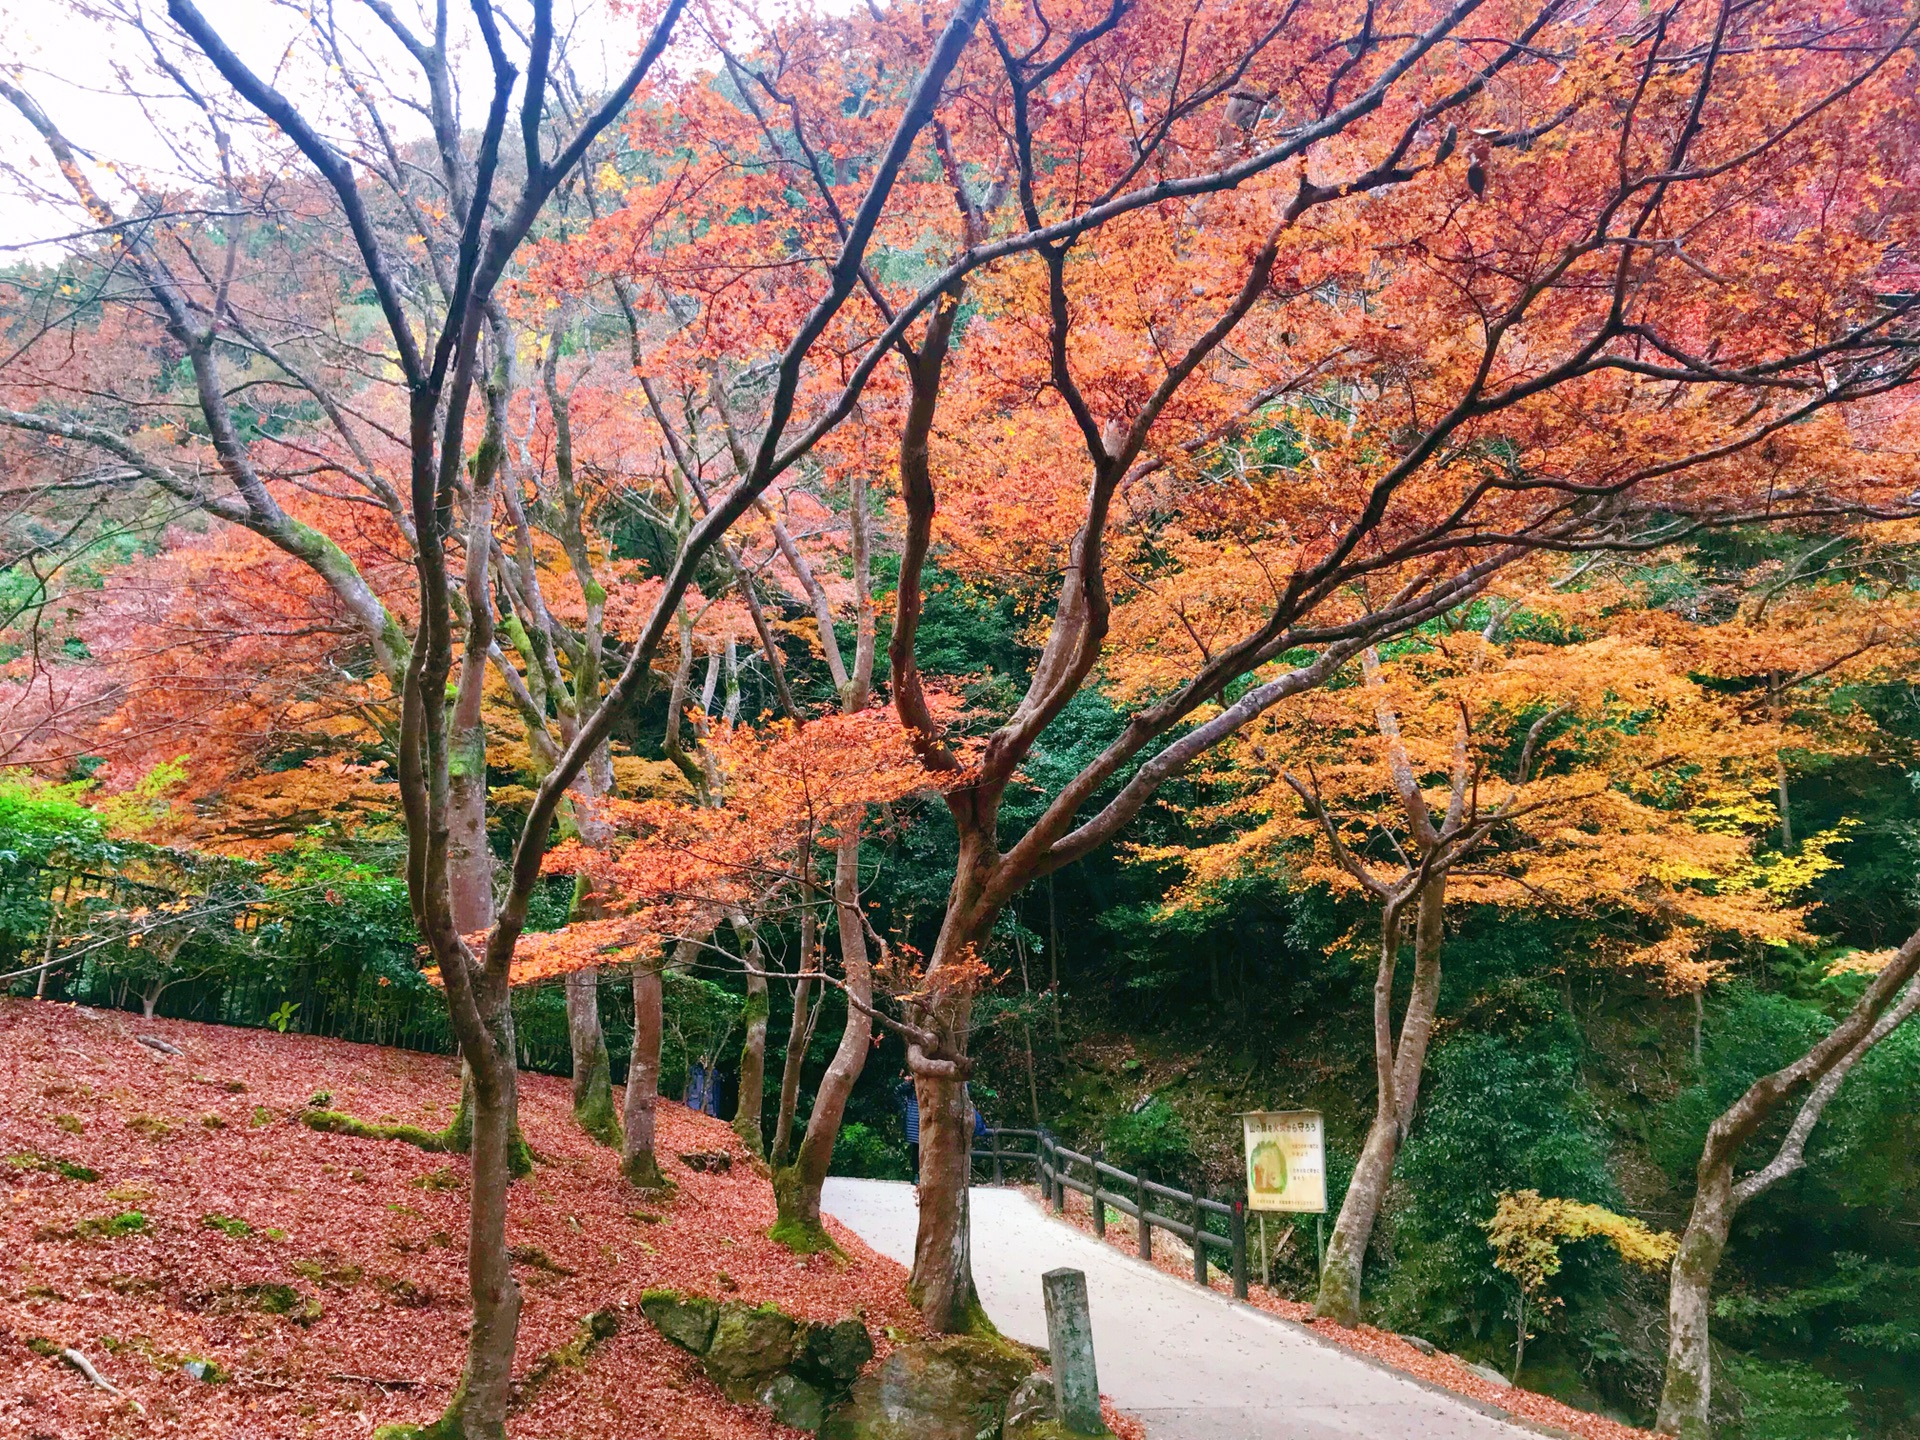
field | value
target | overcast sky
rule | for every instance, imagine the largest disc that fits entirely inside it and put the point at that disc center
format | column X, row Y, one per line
column 79, row 71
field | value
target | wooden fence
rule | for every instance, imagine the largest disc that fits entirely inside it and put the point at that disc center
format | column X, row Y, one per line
column 1056, row 1170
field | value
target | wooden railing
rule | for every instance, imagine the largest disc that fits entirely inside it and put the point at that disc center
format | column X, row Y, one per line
column 1057, row 1169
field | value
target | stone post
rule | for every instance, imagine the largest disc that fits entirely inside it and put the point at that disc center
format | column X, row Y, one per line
column 1076, row 1388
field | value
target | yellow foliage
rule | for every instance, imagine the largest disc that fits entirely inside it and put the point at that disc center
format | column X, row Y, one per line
column 1527, row 1229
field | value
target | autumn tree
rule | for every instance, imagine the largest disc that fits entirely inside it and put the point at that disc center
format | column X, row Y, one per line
column 1470, row 767
column 1431, row 313
column 431, row 250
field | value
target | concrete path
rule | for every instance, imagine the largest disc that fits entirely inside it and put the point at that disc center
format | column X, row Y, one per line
column 1191, row 1364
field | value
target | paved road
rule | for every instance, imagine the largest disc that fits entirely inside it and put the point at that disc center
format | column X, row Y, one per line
column 1191, row 1364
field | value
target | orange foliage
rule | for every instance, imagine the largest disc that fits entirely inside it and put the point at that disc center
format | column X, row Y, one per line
column 676, row 868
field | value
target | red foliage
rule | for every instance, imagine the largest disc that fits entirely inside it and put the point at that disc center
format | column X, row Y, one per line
column 138, row 1304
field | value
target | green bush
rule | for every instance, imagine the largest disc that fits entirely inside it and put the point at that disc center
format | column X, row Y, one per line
column 1152, row 1138
column 1499, row 1116
column 1786, row 1400
column 865, row 1154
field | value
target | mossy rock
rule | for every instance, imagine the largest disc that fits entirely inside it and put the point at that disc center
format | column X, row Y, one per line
column 952, row 1388
column 751, row 1344
column 687, row 1320
column 795, row 1402
column 1030, row 1414
column 831, row 1357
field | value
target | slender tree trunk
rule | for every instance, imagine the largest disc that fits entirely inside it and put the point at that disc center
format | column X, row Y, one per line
column 1398, row 1071
column 753, row 1049
column 799, row 1032
column 593, row 1108
column 479, row 1407
column 149, row 999
column 637, row 1162
column 1520, row 1338
column 1785, row 801
column 797, row 1188
column 1053, row 961
column 46, row 956
column 592, row 1071
column 1687, row 1395
column 1686, row 1398
column 1776, row 704
column 469, row 862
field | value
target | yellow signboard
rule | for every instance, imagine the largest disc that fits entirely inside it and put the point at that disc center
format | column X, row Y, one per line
column 1286, row 1161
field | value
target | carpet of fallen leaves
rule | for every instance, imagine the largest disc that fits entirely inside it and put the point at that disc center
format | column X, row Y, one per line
column 1448, row 1371
column 232, row 1196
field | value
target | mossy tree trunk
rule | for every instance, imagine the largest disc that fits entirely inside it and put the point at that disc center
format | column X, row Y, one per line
column 797, row 1189
column 1686, row 1396
column 1397, row 1071
column 753, row 1049
column 799, row 1030
column 942, row 1281
column 592, row 1071
column 637, row 1160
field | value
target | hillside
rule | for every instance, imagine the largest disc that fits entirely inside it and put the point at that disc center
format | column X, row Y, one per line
column 164, row 1210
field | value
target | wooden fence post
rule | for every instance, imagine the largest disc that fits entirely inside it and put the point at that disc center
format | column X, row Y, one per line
column 1099, row 1205
column 1060, row 1164
column 1199, row 1244
column 998, row 1178
column 1239, row 1249
column 1146, row 1225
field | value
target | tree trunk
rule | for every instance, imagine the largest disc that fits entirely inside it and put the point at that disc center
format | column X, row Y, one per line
column 637, row 1161
column 53, row 940
column 469, row 862
column 797, row 1188
column 592, row 1073
column 942, row 1282
column 479, row 1406
column 1398, row 1073
column 1687, row 1395
column 753, row 1049
column 799, row 1032
column 150, row 998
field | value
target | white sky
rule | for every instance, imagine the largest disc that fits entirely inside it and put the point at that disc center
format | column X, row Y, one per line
column 79, row 70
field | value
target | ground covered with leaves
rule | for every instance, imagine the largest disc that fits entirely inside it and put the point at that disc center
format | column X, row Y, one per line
column 233, row 1272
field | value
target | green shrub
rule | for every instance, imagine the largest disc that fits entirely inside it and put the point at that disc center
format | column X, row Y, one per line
column 863, row 1152
column 1785, row 1400
column 1152, row 1138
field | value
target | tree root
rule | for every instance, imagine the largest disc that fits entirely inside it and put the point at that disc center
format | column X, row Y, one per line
column 456, row 1139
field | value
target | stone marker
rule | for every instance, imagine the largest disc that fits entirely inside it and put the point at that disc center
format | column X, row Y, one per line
column 1070, row 1336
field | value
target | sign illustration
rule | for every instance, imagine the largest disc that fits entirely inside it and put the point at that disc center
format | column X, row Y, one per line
column 1286, row 1161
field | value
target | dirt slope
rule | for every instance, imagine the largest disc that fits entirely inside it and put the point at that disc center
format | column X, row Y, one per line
column 325, row 1275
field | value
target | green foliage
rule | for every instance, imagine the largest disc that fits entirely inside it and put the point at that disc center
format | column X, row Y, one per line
column 1787, row 1400
column 1501, row 1115
column 41, row 826
column 1152, row 1138
column 863, row 1152
column 1748, row 1034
